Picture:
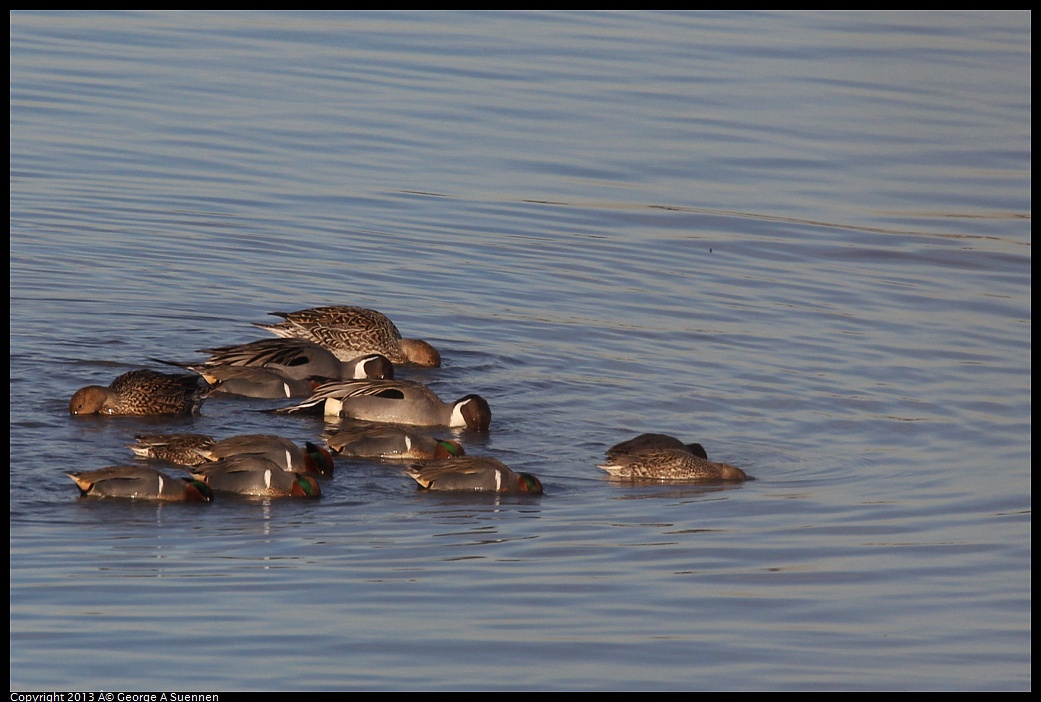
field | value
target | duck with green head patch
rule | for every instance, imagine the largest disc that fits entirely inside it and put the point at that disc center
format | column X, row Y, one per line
column 389, row 442
column 141, row 483
column 196, row 449
column 255, row 476
column 473, row 474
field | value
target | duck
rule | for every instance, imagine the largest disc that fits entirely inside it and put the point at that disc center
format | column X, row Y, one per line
column 140, row 482
column 395, row 402
column 669, row 464
column 650, row 441
column 142, row 392
column 283, row 452
column 300, row 359
column 198, row 449
column 252, row 381
column 473, row 473
column 247, row 474
column 182, row 449
column 351, row 331
column 392, row 443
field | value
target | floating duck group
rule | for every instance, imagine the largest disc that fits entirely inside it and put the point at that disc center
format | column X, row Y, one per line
column 341, row 360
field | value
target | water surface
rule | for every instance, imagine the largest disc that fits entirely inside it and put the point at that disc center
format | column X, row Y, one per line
column 800, row 239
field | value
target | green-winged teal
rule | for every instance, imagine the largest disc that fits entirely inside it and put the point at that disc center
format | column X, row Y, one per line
column 252, row 381
column 473, row 473
column 197, row 449
column 140, row 482
column 256, row 476
column 392, row 443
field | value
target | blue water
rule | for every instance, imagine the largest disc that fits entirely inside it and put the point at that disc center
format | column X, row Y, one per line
column 800, row 239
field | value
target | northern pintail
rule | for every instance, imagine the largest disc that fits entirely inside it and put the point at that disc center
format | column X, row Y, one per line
column 396, row 402
column 654, row 441
column 142, row 392
column 669, row 464
column 353, row 331
column 301, row 359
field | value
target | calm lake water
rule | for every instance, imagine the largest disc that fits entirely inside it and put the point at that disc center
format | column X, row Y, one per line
column 800, row 239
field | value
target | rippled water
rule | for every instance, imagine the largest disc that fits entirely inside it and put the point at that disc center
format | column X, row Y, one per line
column 801, row 239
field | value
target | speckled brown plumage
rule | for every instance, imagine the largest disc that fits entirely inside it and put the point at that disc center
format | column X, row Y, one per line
column 669, row 464
column 142, row 392
column 182, row 449
column 198, row 449
column 350, row 332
